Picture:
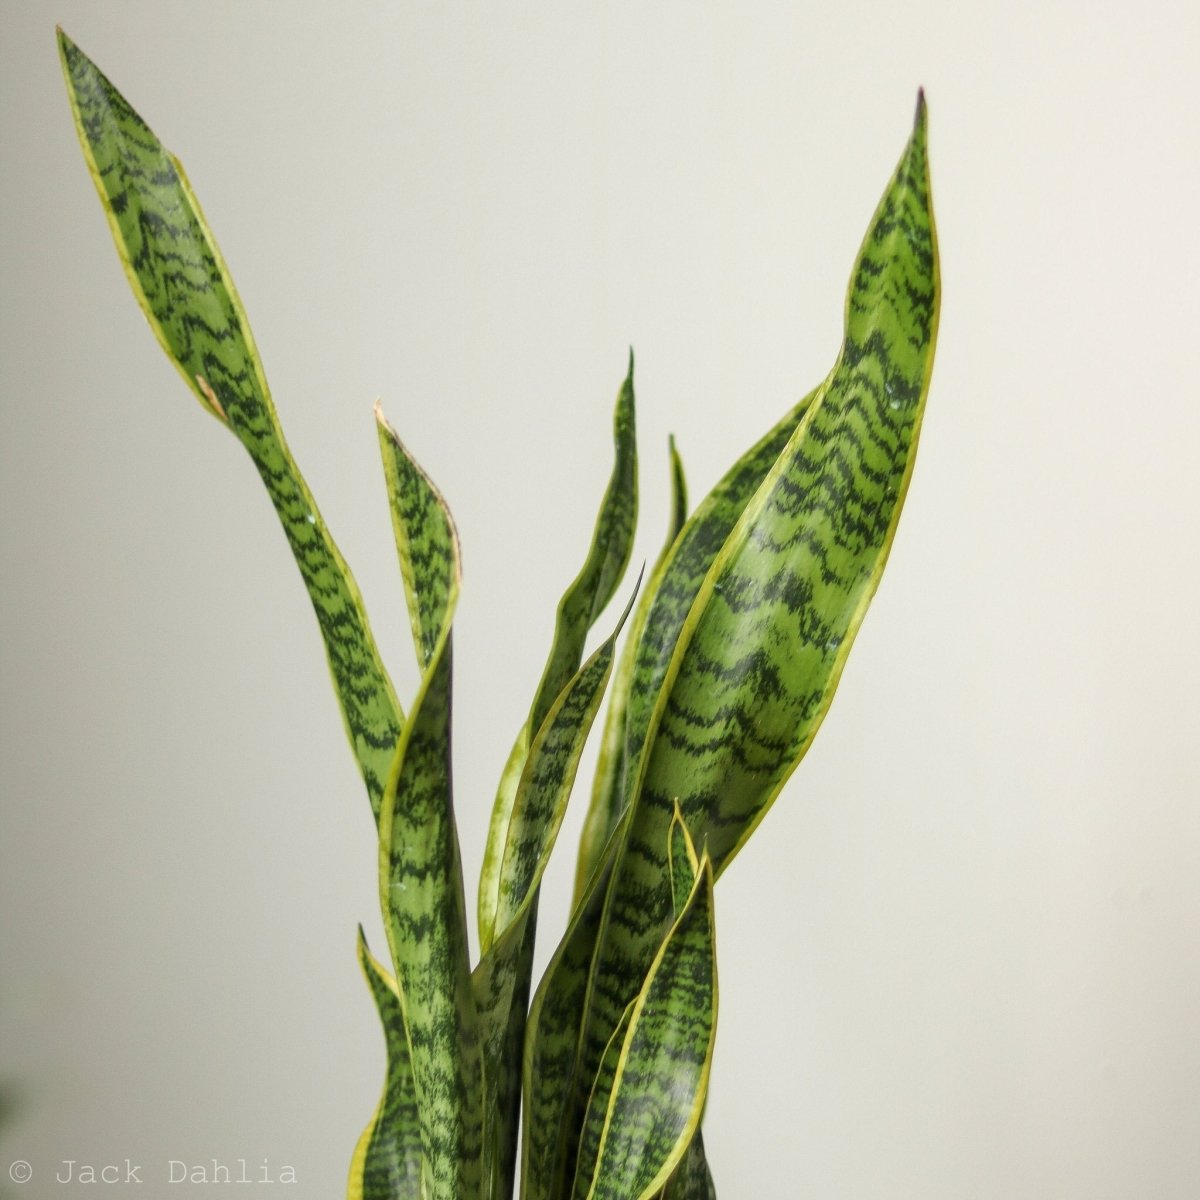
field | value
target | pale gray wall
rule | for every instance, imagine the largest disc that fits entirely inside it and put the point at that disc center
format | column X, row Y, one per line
column 961, row 959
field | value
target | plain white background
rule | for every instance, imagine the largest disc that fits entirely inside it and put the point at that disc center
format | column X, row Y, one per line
column 962, row 956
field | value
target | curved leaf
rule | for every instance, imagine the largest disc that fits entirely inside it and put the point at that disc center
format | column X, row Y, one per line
column 679, row 497
column 597, row 1107
column 581, row 604
column 387, row 1159
column 184, row 288
column 553, row 1106
column 765, row 641
column 501, row 980
column 426, row 540
column 661, row 1078
column 657, row 623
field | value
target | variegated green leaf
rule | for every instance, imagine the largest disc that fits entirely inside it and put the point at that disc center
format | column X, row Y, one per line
column 655, row 630
column 661, row 1078
column 421, row 886
column 387, row 1160
column 691, row 1173
column 597, row 1108
column 501, row 980
column 765, row 641
column 551, row 1087
column 682, row 863
column 426, row 540
column 679, row 497
column 692, row 1179
column 583, row 601
column 184, row 288
column 601, row 816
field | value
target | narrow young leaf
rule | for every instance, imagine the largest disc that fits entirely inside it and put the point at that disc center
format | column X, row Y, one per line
column 184, row 288
column 681, row 862
column 581, row 604
column 426, row 540
column 691, row 1179
column 679, row 497
column 554, row 1095
column 597, row 1107
column 501, row 980
column 387, row 1160
column 763, row 647
column 661, row 1079
column 421, row 887
column 684, row 867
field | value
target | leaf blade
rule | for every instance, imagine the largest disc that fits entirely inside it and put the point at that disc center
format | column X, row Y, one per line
column 387, row 1159
column 184, row 288
column 421, row 887
column 763, row 647
column 583, row 601
column 662, row 1074
column 657, row 624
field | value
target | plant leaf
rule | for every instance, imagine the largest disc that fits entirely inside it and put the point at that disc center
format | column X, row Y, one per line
column 387, row 1160
column 426, row 540
column 661, row 1079
column 692, row 1179
column 421, row 887
column 654, row 632
column 553, row 1109
column 597, row 1107
column 679, row 497
column 501, row 980
column 681, row 862
column 184, row 288
column 581, row 604
column 765, row 642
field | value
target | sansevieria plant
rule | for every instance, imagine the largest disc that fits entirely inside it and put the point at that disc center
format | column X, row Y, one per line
column 732, row 650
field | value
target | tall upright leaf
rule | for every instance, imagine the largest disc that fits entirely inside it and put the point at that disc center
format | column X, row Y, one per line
column 766, row 639
column 387, row 1161
column 691, row 1179
column 183, row 286
column 421, row 886
column 502, row 978
column 581, row 604
column 657, row 622
column 551, row 1082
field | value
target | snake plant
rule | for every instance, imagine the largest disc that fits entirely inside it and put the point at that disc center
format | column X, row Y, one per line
column 732, row 651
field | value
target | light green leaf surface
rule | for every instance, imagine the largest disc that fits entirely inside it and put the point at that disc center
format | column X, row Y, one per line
column 184, row 288
column 597, row 1107
column 661, row 1078
column 582, row 602
column 551, row 1086
column 679, row 498
column 421, row 887
column 426, row 541
column 387, row 1160
column 764, row 644
column 655, row 629
column 604, row 809
column 691, row 1179
column 501, row 981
